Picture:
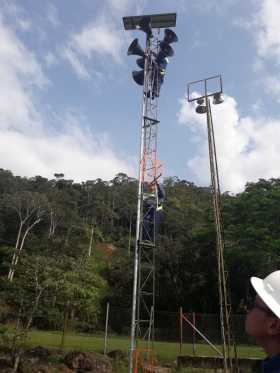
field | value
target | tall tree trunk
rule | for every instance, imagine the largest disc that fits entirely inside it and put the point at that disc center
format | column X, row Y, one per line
column 15, row 250
column 19, row 351
column 91, row 240
column 12, row 269
column 30, row 319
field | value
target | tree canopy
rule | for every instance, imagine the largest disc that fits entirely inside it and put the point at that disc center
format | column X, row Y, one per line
column 51, row 233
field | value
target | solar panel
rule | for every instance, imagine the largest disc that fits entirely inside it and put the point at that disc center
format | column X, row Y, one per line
column 157, row 20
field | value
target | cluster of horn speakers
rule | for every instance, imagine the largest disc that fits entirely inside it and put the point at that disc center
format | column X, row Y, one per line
column 201, row 103
column 160, row 60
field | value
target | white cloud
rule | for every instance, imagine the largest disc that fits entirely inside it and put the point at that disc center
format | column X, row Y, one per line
column 247, row 149
column 210, row 6
column 19, row 71
column 11, row 10
column 101, row 40
column 15, row 56
column 257, row 106
column 29, row 145
column 24, row 25
column 76, row 64
column 272, row 86
column 258, row 66
column 119, row 5
column 123, row 7
column 265, row 29
column 52, row 15
column 50, row 59
column 74, row 152
column 268, row 35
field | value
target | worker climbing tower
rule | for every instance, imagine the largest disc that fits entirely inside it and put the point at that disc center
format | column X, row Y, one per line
column 152, row 61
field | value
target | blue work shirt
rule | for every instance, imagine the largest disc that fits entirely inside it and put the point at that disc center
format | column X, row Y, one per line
column 271, row 364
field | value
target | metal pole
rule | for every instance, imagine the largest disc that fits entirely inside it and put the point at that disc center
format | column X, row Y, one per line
column 202, row 335
column 222, row 281
column 194, row 321
column 216, row 193
column 181, row 329
column 106, row 328
column 129, row 240
column 150, row 328
column 139, row 207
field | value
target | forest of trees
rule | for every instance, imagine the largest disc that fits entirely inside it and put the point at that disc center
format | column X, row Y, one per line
column 52, row 233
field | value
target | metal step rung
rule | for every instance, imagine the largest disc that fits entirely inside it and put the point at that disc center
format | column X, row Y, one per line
column 152, row 195
column 154, row 121
column 147, row 243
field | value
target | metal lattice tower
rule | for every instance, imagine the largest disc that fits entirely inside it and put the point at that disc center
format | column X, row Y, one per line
column 144, row 266
column 143, row 303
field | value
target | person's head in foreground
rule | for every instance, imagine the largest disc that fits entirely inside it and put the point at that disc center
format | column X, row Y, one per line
column 263, row 317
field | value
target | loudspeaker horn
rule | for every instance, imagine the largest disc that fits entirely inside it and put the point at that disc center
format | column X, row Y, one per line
column 138, row 77
column 162, row 61
column 201, row 109
column 200, row 101
column 218, row 98
column 170, row 36
column 135, row 49
column 166, row 50
column 141, row 62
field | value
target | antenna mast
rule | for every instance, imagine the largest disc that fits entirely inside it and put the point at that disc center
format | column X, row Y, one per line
column 153, row 62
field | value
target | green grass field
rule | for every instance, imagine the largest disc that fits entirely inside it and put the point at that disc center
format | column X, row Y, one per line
column 165, row 351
